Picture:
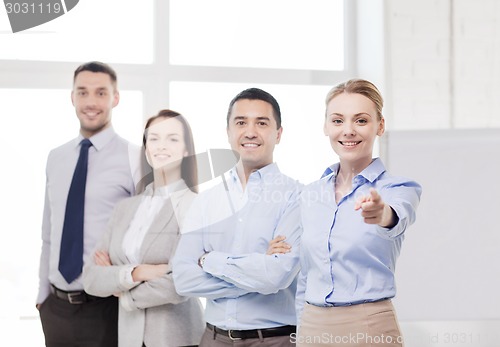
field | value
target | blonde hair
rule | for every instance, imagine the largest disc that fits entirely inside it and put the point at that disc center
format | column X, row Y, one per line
column 358, row 86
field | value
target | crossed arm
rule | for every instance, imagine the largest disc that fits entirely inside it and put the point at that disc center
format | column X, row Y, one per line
column 230, row 275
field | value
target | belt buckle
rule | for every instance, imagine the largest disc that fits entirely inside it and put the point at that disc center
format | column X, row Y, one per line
column 74, row 299
column 229, row 334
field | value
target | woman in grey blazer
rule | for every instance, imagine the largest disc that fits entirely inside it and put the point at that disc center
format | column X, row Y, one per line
column 132, row 261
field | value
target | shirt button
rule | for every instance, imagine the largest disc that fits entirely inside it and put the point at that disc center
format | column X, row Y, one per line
column 240, row 220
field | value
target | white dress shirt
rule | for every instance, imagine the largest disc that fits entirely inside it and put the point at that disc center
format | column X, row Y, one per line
column 113, row 172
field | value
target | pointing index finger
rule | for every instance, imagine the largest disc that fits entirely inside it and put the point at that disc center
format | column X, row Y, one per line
column 375, row 196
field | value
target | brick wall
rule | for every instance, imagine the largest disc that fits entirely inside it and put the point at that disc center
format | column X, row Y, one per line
column 443, row 66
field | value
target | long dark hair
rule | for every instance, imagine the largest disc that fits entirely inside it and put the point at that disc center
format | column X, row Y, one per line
column 189, row 166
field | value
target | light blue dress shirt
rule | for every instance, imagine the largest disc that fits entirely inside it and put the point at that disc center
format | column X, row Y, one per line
column 343, row 260
column 244, row 287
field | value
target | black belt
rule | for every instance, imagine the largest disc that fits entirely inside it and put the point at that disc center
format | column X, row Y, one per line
column 74, row 297
column 254, row 334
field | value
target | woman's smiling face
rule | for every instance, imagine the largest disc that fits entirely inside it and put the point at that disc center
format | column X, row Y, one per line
column 352, row 125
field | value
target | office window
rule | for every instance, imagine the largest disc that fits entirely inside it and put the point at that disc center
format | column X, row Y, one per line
column 110, row 31
column 166, row 56
column 304, row 151
column 35, row 121
column 279, row 34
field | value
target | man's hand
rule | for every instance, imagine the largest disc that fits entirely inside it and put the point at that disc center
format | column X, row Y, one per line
column 375, row 211
column 278, row 246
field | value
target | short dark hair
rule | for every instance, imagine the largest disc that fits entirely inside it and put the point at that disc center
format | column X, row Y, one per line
column 97, row 66
column 257, row 94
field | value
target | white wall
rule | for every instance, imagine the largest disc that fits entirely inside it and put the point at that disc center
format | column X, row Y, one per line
column 418, row 40
column 442, row 63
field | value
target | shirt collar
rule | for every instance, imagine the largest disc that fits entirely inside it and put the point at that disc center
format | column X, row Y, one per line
column 370, row 173
column 101, row 139
column 167, row 190
column 265, row 174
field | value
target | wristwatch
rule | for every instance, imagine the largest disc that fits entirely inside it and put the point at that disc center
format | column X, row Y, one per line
column 201, row 260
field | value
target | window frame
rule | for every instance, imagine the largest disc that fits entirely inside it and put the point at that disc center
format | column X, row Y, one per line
column 153, row 80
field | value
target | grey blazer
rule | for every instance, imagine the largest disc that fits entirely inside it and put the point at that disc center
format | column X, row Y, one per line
column 158, row 316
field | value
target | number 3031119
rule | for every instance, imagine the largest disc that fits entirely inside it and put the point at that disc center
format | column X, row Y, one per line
column 32, row 8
